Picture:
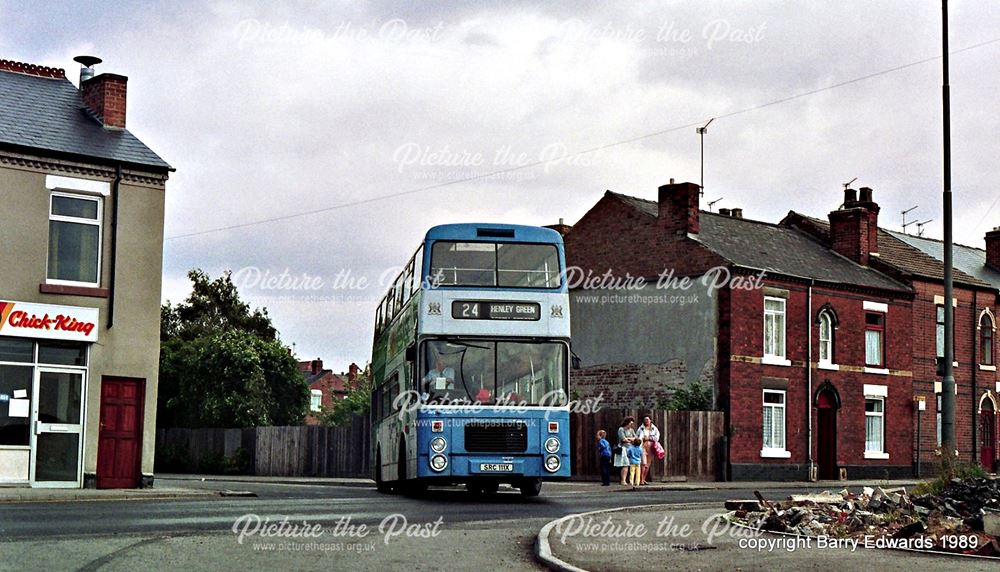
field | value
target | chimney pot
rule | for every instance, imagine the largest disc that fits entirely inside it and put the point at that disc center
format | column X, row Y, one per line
column 724, row 212
column 737, row 213
column 866, row 195
column 850, row 198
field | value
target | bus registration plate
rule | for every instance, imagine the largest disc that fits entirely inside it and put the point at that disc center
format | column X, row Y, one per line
column 496, row 467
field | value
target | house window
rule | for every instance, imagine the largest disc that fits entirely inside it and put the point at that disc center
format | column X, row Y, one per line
column 939, row 330
column 874, row 425
column 774, row 327
column 825, row 338
column 938, row 420
column 875, row 339
column 986, row 340
column 774, row 420
column 74, row 239
column 315, row 400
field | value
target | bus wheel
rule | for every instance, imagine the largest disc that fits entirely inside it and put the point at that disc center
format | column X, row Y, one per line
column 531, row 487
column 408, row 488
column 380, row 485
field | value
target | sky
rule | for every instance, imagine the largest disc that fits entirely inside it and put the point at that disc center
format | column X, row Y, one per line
column 353, row 127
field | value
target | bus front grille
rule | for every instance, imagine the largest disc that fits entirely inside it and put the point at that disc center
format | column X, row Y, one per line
column 496, row 437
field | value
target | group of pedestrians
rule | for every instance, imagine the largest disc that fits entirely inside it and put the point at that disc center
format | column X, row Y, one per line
column 634, row 450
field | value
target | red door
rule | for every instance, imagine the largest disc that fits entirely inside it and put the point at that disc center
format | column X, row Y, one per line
column 119, row 446
column 826, row 442
column 987, row 435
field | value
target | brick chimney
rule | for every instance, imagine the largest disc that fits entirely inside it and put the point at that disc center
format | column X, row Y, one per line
column 993, row 248
column 104, row 96
column 854, row 226
column 316, row 366
column 678, row 208
column 352, row 372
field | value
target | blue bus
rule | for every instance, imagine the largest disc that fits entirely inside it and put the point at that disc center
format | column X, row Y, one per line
column 470, row 363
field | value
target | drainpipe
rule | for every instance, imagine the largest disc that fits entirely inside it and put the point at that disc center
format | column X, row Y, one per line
column 114, row 244
column 975, row 368
column 809, row 374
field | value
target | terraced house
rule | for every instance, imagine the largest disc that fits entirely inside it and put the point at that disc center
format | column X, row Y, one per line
column 806, row 346
column 81, row 231
column 918, row 262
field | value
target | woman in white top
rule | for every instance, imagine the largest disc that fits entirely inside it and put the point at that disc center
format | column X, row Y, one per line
column 649, row 435
column 626, row 434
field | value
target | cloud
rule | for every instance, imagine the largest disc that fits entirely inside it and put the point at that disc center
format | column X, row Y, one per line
column 270, row 110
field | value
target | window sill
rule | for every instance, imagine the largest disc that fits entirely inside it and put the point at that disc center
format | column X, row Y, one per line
column 988, row 367
column 876, row 370
column 876, row 455
column 15, row 447
column 64, row 289
column 775, row 360
column 828, row 366
column 775, row 454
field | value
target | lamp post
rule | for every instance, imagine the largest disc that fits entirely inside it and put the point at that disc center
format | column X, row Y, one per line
column 948, row 381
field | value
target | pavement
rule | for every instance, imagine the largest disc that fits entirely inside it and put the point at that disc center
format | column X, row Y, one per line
column 201, row 486
column 27, row 495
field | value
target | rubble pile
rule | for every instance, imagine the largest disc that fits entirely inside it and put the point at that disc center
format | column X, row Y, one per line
column 964, row 517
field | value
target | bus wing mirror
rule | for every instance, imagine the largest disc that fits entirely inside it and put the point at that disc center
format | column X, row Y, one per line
column 411, row 352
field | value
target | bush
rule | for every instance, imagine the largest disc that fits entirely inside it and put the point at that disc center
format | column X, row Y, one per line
column 695, row 397
column 949, row 469
column 172, row 458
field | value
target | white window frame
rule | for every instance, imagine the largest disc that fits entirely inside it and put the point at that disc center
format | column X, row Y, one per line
column 98, row 222
column 877, row 393
column 776, row 357
column 827, row 363
column 313, row 394
column 775, row 452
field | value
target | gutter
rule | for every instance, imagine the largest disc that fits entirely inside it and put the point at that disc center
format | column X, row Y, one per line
column 115, row 188
column 809, row 377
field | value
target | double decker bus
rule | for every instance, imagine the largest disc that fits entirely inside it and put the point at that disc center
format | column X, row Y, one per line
column 470, row 363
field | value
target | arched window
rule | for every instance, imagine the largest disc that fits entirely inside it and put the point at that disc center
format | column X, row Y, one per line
column 986, row 340
column 825, row 337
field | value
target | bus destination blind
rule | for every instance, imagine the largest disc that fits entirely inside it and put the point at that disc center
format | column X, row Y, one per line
column 502, row 310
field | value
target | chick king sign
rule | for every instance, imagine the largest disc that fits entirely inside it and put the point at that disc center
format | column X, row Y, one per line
column 48, row 321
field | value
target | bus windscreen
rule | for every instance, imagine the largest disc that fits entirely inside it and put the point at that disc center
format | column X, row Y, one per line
column 499, row 373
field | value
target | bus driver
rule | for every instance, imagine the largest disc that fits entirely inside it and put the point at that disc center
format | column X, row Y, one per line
column 441, row 378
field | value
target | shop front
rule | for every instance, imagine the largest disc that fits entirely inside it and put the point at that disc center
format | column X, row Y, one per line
column 44, row 379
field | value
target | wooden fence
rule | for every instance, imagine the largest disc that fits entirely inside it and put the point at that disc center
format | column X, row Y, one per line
column 692, row 440
column 308, row 451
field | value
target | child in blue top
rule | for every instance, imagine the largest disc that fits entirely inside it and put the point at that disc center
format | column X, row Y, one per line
column 634, row 461
column 604, row 458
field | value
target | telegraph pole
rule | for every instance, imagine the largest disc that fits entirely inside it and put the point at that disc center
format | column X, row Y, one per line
column 948, row 383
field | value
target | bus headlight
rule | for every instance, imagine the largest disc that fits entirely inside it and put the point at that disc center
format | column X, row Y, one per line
column 438, row 444
column 552, row 463
column 552, row 445
column 439, row 462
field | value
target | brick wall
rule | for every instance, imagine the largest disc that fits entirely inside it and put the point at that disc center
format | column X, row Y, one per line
column 745, row 375
column 967, row 316
column 630, row 385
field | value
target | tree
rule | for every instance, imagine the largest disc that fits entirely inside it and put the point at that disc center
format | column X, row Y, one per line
column 356, row 402
column 222, row 364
